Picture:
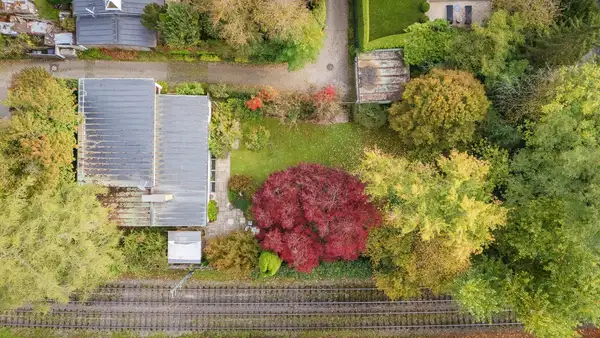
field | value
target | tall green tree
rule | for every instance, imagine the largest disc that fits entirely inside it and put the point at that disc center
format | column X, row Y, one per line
column 54, row 243
column 179, row 26
column 435, row 218
column 439, row 111
column 38, row 141
column 545, row 264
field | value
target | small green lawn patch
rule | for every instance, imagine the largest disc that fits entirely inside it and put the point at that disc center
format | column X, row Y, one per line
column 389, row 17
column 338, row 145
column 45, row 10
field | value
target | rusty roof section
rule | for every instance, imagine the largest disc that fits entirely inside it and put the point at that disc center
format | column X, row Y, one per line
column 381, row 76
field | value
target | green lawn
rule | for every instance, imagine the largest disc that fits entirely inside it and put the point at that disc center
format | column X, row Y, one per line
column 45, row 10
column 389, row 17
column 338, row 145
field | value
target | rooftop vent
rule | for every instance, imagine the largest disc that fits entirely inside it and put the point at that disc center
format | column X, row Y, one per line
column 113, row 5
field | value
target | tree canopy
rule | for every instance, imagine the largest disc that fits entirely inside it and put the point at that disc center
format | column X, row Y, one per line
column 435, row 218
column 310, row 212
column 545, row 263
column 439, row 110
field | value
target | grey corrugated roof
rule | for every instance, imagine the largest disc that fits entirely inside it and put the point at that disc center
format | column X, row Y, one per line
column 381, row 75
column 182, row 159
column 116, row 139
column 119, row 30
column 127, row 7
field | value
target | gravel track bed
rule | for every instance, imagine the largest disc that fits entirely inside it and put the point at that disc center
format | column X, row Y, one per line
column 132, row 307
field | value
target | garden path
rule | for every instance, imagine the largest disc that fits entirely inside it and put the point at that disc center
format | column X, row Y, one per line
column 228, row 219
column 334, row 53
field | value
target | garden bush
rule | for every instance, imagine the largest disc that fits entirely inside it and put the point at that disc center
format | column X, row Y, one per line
column 268, row 263
column 151, row 15
column 242, row 186
column 236, row 252
column 213, row 210
column 327, row 103
column 179, row 26
column 218, row 91
column 257, row 138
column 439, row 111
column 371, row 115
column 290, row 108
column 425, row 7
column 145, row 249
column 164, row 87
column 189, row 88
column 423, row 18
column 224, row 130
column 210, row 58
column 310, row 212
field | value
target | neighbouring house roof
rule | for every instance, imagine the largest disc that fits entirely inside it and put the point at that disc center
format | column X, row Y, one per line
column 17, row 7
column 381, row 76
column 144, row 147
column 118, row 30
column 111, row 25
column 184, row 247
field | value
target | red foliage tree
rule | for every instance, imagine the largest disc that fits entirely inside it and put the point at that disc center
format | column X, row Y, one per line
column 254, row 103
column 310, row 212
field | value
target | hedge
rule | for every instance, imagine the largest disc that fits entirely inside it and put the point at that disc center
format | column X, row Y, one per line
column 362, row 12
column 392, row 41
column 320, row 13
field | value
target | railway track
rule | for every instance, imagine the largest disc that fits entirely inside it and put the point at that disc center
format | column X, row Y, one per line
column 149, row 308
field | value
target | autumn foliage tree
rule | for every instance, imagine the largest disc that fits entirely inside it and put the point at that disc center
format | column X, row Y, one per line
column 440, row 110
column 435, row 218
column 311, row 212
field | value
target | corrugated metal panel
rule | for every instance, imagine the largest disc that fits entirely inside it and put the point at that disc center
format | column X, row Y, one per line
column 114, row 30
column 97, row 31
column 127, row 6
column 132, row 33
column 117, row 137
column 381, row 76
column 127, row 207
column 182, row 160
column 185, row 247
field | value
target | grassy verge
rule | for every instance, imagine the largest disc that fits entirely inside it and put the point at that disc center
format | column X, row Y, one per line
column 45, row 10
column 389, row 17
column 338, row 145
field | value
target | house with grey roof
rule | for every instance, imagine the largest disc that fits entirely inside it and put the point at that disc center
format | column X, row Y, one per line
column 149, row 149
column 113, row 23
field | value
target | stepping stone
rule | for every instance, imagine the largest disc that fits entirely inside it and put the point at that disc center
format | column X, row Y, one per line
column 230, row 221
column 242, row 220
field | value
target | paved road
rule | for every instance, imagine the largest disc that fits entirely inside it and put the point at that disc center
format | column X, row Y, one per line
column 334, row 52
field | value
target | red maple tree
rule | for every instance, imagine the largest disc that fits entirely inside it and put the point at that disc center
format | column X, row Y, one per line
column 311, row 212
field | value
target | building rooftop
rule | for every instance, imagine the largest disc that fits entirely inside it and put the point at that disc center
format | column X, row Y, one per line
column 381, row 76
column 151, row 150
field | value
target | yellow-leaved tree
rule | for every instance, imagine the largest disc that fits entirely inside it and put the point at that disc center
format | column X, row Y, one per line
column 435, row 218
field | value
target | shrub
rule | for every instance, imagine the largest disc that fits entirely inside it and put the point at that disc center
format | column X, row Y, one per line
column 236, row 252
column 423, row 18
column 241, row 111
column 224, row 130
column 425, row 7
column 268, row 263
column 327, row 103
column 151, row 15
column 440, row 110
column 428, row 43
column 291, row 107
column 13, row 47
column 242, row 185
column 164, row 87
column 370, row 116
column 218, row 91
column 268, row 94
column 310, row 212
column 190, row 88
column 254, row 103
column 257, row 138
column 213, row 210
column 179, row 26
column 210, row 58
column 68, row 24
column 145, row 249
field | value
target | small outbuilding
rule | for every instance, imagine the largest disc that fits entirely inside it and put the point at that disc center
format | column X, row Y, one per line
column 185, row 247
column 381, row 75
